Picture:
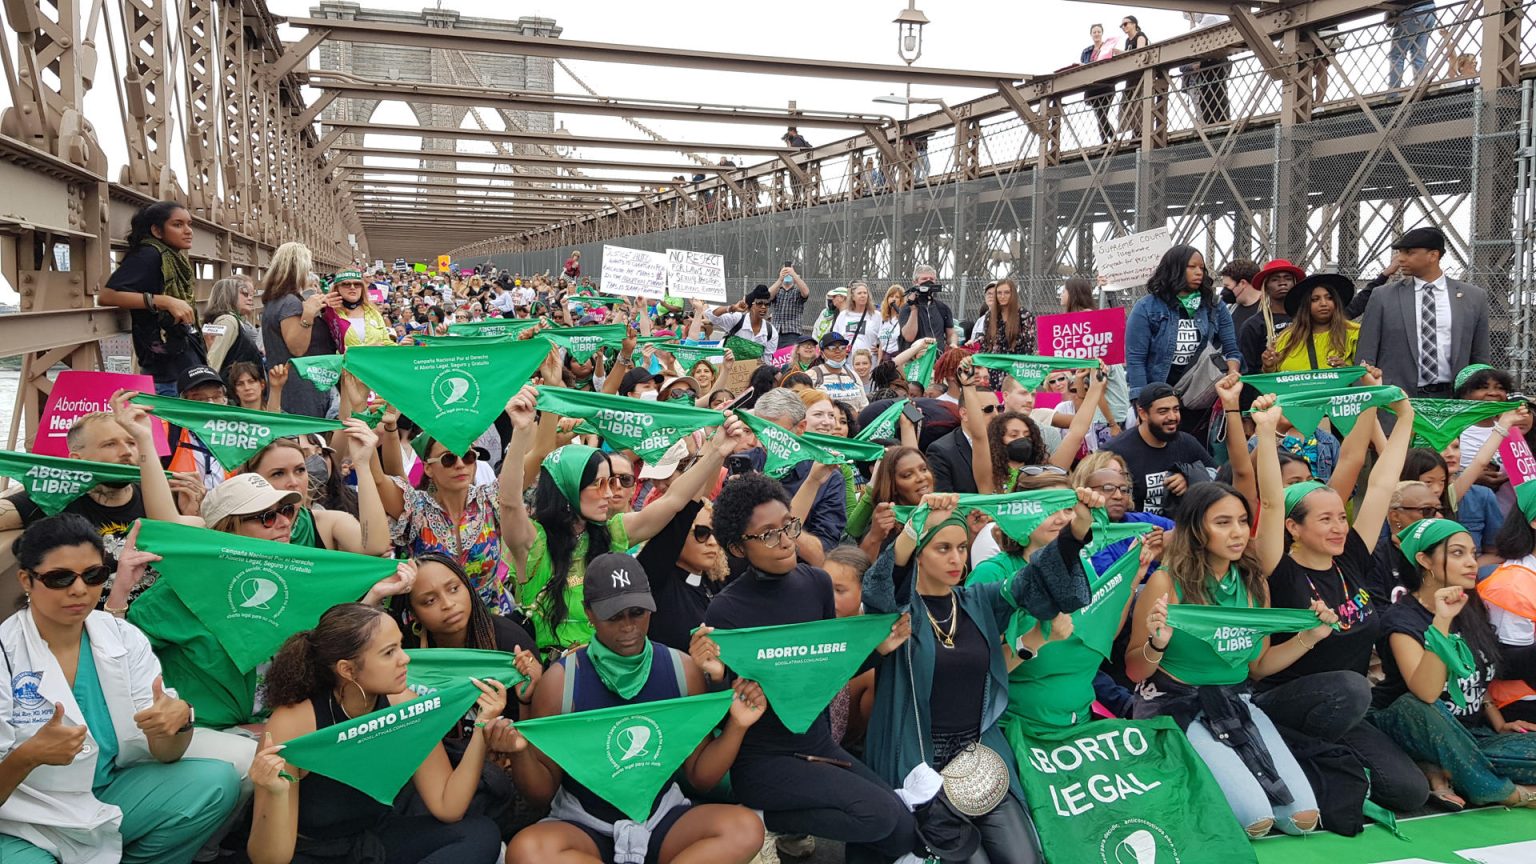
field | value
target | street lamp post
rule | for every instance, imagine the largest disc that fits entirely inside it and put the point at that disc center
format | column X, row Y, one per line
column 909, row 41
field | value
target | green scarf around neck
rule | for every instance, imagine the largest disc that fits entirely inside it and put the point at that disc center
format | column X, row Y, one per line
column 623, row 675
column 176, row 269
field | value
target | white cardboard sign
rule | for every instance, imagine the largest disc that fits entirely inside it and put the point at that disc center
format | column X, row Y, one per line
column 1130, row 260
column 633, row 272
column 697, row 274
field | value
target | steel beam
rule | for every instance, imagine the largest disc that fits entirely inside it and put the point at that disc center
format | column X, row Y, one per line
column 389, row 187
column 529, row 179
column 462, row 205
column 1215, row 7
column 335, row 130
column 511, row 44
column 550, row 161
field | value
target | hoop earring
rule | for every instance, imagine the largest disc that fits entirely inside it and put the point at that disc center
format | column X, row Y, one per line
column 360, row 690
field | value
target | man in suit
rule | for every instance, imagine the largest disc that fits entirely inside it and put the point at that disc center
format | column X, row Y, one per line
column 950, row 457
column 1442, row 321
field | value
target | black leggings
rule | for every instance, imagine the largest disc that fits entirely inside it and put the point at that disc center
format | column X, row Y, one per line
column 424, row 840
column 1007, row 836
column 852, row 805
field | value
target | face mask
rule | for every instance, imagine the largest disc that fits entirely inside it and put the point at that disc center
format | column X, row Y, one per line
column 649, row 395
column 1021, row 450
column 318, row 467
column 835, row 364
column 1227, row 296
column 681, row 397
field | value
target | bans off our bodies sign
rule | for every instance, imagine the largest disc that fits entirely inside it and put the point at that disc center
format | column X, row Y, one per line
column 1098, row 334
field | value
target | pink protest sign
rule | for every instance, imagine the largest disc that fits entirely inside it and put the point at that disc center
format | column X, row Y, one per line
column 1047, row 399
column 1519, row 464
column 1099, row 333
column 76, row 394
column 782, row 356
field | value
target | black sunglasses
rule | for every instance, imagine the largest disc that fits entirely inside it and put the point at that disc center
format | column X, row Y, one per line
column 268, row 518
column 992, row 409
column 702, row 533
column 448, row 460
column 58, row 580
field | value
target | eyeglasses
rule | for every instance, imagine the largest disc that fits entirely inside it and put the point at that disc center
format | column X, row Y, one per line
column 268, row 518
column 608, row 485
column 1037, row 470
column 448, row 460
column 772, row 536
column 1110, row 490
column 702, row 533
column 993, row 408
column 1424, row 512
column 58, row 580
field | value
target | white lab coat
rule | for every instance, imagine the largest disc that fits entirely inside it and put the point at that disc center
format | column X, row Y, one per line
column 54, row 808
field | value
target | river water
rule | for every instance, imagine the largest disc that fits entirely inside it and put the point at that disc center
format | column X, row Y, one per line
column 9, row 379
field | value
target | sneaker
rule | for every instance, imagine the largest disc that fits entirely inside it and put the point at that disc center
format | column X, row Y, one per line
column 797, row 845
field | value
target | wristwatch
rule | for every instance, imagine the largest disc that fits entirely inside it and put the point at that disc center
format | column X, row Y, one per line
column 1024, row 652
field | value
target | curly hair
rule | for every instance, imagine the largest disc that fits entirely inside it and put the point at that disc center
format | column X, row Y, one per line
column 948, row 365
column 738, row 498
column 995, row 429
column 305, row 666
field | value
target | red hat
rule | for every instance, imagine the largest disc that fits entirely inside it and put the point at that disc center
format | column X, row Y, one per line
column 1279, row 265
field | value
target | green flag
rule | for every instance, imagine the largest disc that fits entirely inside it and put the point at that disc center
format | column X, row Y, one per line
column 1124, row 792
column 786, row 449
column 252, row 594
column 628, row 753
column 743, row 349
column 323, row 370
column 377, row 752
column 648, row 428
column 920, row 368
column 53, row 481
column 1018, row 514
column 453, row 391
column 851, row 449
column 802, row 666
column 1031, row 370
column 689, row 355
column 1305, row 408
column 434, row 669
column 1231, row 637
column 490, row 327
column 884, row 425
column 582, row 342
column 1281, row 383
column 233, row 434
column 1441, row 421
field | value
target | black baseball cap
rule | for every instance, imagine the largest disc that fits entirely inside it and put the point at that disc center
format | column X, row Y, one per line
column 1422, row 238
column 833, row 338
column 615, row 582
column 1151, row 393
column 637, row 376
column 197, row 376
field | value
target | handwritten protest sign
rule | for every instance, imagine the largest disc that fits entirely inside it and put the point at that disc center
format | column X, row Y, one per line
column 76, row 394
column 697, row 274
column 1097, row 334
column 1519, row 464
column 1130, row 260
column 634, row 272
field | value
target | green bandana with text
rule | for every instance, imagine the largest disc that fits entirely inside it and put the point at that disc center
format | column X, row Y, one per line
column 785, row 449
column 1230, row 637
column 52, row 482
column 490, row 327
column 919, row 370
column 688, row 356
column 884, row 425
column 1307, row 380
column 323, row 370
column 1306, row 408
column 1018, row 514
column 1031, row 370
column 648, row 428
column 582, row 342
column 233, row 434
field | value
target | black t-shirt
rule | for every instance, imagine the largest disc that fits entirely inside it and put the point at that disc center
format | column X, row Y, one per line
column 1252, row 338
column 1241, row 314
column 1150, row 467
column 1409, row 616
column 1349, row 590
column 960, row 673
column 933, row 318
column 755, row 599
column 1388, row 566
column 681, row 598
column 112, row 522
column 161, row 344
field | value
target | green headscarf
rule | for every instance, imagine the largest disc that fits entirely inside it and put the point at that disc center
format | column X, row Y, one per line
column 1525, row 497
column 1466, row 374
column 1426, row 533
column 1295, row 492
column 566, row 465
column 920, row 517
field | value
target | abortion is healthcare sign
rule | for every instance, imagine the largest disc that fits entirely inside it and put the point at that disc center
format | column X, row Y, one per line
column 1097, row 334
column 76, row 394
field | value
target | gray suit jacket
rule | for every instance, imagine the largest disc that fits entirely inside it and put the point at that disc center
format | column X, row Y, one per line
column 1390, row 332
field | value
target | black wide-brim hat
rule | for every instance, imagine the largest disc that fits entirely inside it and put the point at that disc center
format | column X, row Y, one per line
column 1343, row 289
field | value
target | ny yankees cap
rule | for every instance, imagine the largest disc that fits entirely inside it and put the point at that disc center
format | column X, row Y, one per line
column 615, row 582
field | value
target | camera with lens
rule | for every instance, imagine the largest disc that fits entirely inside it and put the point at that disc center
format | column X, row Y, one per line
column 923, row 292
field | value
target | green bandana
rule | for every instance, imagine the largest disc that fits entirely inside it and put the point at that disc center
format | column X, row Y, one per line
column 1106, row 533
column 347, row 276
column 648, row 428
column 802, row 666
column 1305, row 408
column 582, row 342
column 1466, row 373
column 919, row 518
column 434, row 669
column 743, row 349
column 1017, row 514
column 1297, row 491
column 1281, row 383
column 1459, row 662
column 253, row 594
column 785, row 449
column 233, row 434
column 1190, row 302
column 1426, row 534
column 566, row 465
column 625, row 676
column 428, row 340
column 919, row 370
column 1225, row 639
column 850, row 449
column 453, row 392
column 1131, row 791
column 372, row 417
column 658, row 340
column 885, row 425
column 1030, row 370
column 53, row 482
column 628, row 753
column 1525, row 497
column 1440, row 421
column 595, row 300
column 688, row 356
column 489, row 327
column 377, row 752
column 323, row 370
column 1097, row 624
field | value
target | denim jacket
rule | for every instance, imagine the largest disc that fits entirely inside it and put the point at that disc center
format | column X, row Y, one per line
column 1152, row 330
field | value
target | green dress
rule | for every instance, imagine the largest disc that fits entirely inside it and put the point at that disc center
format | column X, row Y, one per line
column 575, row 629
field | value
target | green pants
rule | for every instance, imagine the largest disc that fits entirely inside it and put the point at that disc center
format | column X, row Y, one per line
column 169, row 811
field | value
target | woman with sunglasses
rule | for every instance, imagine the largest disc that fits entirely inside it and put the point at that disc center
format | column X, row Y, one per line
column 285, row 466
column 1325, row 694
column 91, row 743
column 1410, row 502
column 687, row 570
column 1473, row 506
column 572, row 519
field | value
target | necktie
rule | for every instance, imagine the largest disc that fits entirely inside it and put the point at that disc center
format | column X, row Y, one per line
column 1429, row 346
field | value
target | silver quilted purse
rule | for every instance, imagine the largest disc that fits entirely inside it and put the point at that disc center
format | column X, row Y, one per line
column 976, row 780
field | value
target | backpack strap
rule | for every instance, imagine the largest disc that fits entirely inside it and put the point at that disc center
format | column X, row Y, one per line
column 568, row 693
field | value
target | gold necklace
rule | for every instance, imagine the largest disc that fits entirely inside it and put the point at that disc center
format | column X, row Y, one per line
column 945, row 639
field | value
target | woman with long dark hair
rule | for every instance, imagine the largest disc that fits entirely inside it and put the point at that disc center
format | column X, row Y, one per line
column 1168, row 329
column 1320, row 335
column 1010, row 326
column 901, row 479
column 1077, row 295
column 349, row 665
column 155, row 283
column 1442, row 716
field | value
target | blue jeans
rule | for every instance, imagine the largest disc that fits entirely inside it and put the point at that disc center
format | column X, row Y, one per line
column 1244, row 794
column 1410, row 43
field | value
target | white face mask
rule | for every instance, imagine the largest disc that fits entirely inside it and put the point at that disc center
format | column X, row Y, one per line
column 649, row 395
